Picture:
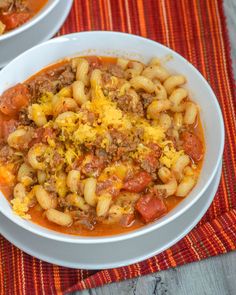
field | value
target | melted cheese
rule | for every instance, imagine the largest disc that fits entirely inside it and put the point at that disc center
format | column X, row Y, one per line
column 109, row 114
column 170, row 155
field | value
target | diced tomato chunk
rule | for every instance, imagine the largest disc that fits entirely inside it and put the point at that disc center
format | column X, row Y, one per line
column 155, row 148
column 77, row 163
column 13, row 99
column 94, row 61
column 192, row 145
column 7, row 176
column 150, row 162
column 111, row 185
column 138, row 183
column 150, row 207
column 14, row 19
column 48, row 133
column 7, row 127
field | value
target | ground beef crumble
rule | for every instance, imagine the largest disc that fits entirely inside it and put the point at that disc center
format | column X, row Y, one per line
column 116, row 70
column 127, row 104
column 51, row 81
column 122, row 144
column 146, row 99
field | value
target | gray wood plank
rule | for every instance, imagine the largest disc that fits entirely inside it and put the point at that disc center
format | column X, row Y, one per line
column 213, row 276
column 230, row 12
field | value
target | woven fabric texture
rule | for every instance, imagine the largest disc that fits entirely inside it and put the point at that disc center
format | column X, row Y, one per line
column 197, row 30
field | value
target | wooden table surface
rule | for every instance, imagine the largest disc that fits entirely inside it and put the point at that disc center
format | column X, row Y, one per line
column 213, row 276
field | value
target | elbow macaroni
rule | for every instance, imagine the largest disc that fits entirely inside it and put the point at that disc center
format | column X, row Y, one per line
column 34, row 153
column 104, row 202
column 170, row 187
column 141, row 82
column 158, row 106
column 190, row 113
column 72, row 180
column 172, row 82
column 25, row 174
column 59, row 217
column 45, row 200
column 122, row 62
column 79, row 93
column 82, row 70
column 156, row 72
column 185, row 186
column 90, row 191
column 179, row 166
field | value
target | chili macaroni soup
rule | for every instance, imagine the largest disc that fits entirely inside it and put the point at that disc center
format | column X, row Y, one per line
column 14, row 13
column 99, row 146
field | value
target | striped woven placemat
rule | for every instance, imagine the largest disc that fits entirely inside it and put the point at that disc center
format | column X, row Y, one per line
column 197, row 30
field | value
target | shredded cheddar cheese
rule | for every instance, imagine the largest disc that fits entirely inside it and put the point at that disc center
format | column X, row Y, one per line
column 21, row 207
column 108, row 112
column 84, row 133
column 140, row 152
column 170, row 155
column 153, row 134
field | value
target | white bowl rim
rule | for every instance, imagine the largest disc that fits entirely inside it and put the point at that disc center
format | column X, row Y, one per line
column 46, row 9
column 149, row 227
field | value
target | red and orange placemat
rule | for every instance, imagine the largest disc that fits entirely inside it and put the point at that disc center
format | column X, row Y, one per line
column 197, row 30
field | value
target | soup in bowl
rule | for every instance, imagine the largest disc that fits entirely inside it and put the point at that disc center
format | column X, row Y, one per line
column 105, row 142
column 14, row 13
column 16, row 16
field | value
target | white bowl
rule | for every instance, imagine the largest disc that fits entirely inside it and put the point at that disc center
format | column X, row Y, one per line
column 134, row 47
